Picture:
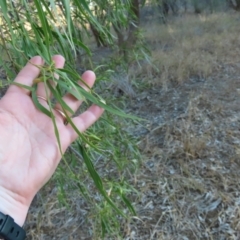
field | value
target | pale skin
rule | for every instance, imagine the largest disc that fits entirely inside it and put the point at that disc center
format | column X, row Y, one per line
column 29, row 153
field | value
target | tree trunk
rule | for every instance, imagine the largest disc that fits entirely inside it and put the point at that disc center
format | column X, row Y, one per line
column 134, row 24
column 98, row 37
column 126, row 43
column 235, row 4
column 120, row 36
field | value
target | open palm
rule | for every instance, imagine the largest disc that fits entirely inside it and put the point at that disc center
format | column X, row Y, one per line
column 29, row 153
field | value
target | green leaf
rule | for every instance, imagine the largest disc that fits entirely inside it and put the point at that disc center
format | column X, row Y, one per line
column 97, row 180
column 53, row 116
column 38, row 104
column 23, row 86
column 128, row 204
column 45, row 26
column 59, row 99
column 49, row 10
column 100, row 103
column 3, row 5
column 75, row 93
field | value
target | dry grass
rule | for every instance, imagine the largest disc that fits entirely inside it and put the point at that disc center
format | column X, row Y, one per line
column 193, row 46
column 188, row 179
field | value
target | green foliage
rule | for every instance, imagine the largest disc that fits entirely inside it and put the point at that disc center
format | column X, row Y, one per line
column 109, row 170
column 40, row 27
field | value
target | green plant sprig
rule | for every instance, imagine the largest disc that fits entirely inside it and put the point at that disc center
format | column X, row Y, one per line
column 33, row 28
column 46, row 76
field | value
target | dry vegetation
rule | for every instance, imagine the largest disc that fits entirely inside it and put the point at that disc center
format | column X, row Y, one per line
column 188, row 178
column 193, row 46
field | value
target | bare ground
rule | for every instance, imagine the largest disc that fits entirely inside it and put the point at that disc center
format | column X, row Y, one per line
column 189, row 179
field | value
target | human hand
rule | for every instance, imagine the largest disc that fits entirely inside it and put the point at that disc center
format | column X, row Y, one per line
column 29, row 152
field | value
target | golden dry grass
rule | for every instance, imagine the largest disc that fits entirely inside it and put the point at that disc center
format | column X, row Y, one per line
column 193, row 46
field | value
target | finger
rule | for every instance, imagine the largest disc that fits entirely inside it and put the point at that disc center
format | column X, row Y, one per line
column 42, row 90
column 85, row 120
column 27, row 75
column 89, row 78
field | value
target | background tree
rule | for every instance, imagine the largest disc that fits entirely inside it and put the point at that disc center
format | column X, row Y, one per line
column 235, row 4
column 165, row 6
column 127, row 33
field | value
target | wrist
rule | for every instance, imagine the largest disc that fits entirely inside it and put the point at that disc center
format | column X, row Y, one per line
column 9, row 206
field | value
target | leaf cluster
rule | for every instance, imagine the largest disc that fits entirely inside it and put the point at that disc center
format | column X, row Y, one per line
column 45, row 28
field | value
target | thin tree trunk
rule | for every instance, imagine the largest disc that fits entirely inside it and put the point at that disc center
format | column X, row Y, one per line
column 235, row 4
column 126, row 43
column 133, row 29
column 98, row 37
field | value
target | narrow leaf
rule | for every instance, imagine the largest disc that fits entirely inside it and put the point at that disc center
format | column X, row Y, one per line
column 97, row 180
